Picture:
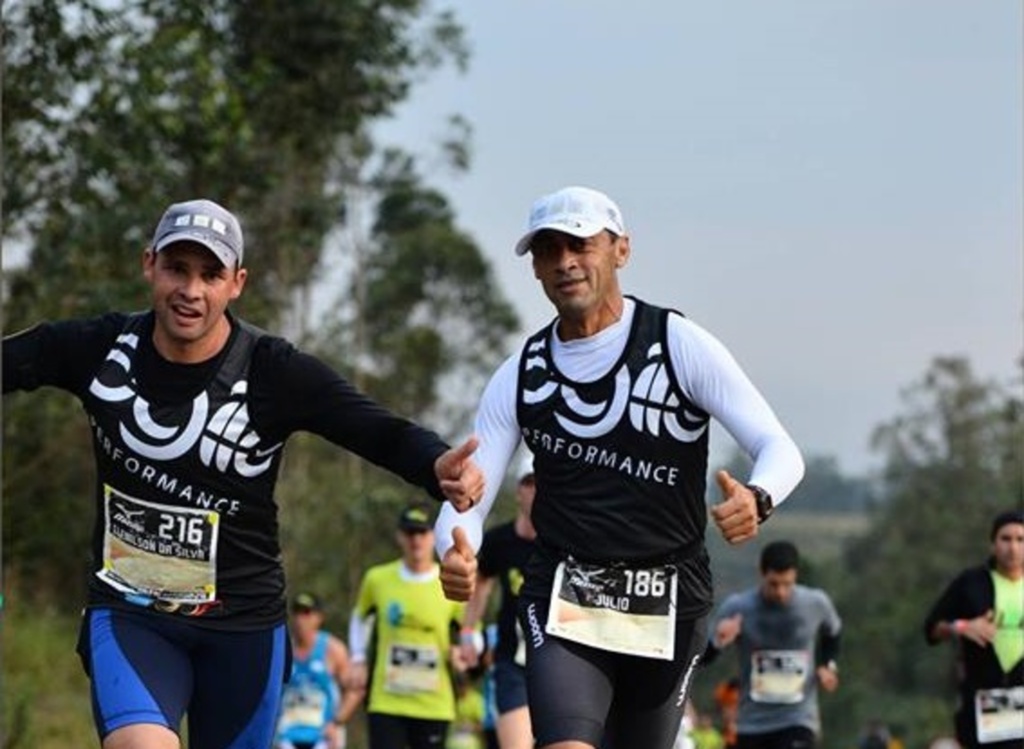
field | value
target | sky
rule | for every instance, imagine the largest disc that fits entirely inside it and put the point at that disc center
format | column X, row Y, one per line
column 833, row 188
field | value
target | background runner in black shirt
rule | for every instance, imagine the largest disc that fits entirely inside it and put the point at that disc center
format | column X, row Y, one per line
column 504, row 556
column 981, row 611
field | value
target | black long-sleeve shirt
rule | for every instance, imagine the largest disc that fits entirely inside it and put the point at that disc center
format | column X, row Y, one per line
column 285, row 391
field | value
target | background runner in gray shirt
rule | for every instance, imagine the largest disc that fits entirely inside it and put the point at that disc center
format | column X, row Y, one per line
column 777, row 627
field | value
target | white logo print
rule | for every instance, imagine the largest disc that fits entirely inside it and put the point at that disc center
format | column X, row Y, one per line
column 225, row 440
column 686, row 680
column 536, row 633
column 199, row 219
column 161, row 442
column 228, row 438
column 583, row 578
column 652, row 403
column 129, row 518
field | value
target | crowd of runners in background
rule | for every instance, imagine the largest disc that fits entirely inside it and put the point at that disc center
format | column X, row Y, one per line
column 462, row 681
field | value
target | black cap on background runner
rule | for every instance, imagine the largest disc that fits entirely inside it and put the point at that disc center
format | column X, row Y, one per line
column 414, row 518
column 306, row 602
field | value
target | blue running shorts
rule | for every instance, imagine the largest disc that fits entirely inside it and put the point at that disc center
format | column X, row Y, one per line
column 145, row 668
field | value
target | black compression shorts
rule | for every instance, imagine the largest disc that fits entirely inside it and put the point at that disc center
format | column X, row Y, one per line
column 606, row 699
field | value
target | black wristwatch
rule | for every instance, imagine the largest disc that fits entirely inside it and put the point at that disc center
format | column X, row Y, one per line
column 764, row 503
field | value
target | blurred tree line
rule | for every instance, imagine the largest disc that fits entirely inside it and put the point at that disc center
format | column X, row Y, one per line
column 113, row 110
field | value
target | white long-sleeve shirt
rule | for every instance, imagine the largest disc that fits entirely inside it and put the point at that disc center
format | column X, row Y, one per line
column 707, row 373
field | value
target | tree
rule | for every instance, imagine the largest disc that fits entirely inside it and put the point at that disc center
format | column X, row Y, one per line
column 418, row 326
column 113, row 111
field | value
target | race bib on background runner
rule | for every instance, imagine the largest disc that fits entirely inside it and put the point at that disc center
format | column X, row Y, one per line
column 303, row 706
column 157, row 551
column 620, row 609
column 999, row 714
column 778, row 676
column 413, row 668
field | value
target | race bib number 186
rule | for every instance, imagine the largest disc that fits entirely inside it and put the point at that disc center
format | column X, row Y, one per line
column 623, row 610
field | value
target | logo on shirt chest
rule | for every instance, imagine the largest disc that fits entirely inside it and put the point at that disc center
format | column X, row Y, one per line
column 224, row 439
column 651, row 402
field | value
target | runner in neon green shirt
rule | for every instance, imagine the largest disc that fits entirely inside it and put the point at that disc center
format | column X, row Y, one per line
column 411, row 698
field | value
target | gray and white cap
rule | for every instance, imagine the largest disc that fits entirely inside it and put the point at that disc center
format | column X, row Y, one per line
column 205, row 222
column 580, row 211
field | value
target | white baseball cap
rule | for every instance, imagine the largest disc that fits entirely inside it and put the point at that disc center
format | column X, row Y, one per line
column 205, row 222
column 579, row 211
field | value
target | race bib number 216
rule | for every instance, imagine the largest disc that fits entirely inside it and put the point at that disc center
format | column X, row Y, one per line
column 157, row 551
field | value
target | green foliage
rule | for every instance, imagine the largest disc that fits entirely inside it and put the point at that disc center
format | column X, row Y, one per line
column 48, row 486
column 113, row 111
column 46, row 693
column 430, row 300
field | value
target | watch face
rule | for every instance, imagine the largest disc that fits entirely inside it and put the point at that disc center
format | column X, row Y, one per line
column 764, row 503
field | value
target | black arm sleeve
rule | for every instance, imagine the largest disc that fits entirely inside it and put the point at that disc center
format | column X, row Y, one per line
column 294, row 391
column 946, row 608
column 829, row 646
column 62, row 354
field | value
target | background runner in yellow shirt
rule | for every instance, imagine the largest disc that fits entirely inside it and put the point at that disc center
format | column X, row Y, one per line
column 411, row 698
